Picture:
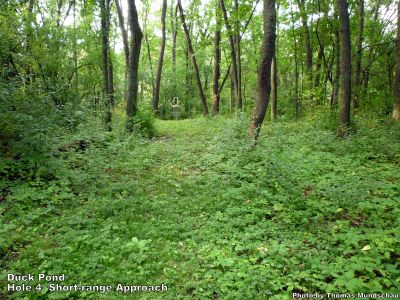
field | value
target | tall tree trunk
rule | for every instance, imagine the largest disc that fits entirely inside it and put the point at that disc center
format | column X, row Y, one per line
column 59, row 7
column 396, row 110
column 274, row 98
column 111, row 81
column 105, row 44
column 267, row 53
column 203, row 101
column 124, row 33
column 125, row 42
column 205, row 72
column 274, row 75
column 75, row 49
column 29, row 31
column 30, row 7
column 156, row 96
column 307, row 39
column 238, row 57
column 146, row 38
column 174, row 26
column 134, row 55
column 233, row 55
column 111, row 100
column 360, row 37
column 147, row 43
column 233, row 92
column 336, row 50
column 345, row 68
column 318, row 66
column 187, row 75
column 322, row 61
column 296, row 100
column 217, row 62
column 370, row 58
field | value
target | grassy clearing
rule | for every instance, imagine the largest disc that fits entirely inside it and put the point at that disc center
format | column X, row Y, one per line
column 201, row 210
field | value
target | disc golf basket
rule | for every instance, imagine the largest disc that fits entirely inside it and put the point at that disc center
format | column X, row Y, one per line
column 175, row 108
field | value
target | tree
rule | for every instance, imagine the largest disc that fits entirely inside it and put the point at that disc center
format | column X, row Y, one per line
column 124, row 35
column 45, row 52
column 234, row 76
column 323, row 64
column 336, row 50
column 174, row 27
column 156, row 96
column 371, row 57
column 296, row 100
column 360, row 37
column 217, row 61
column 274, row 78
column 203, row 101
column 134, row 55
column 306, row 36
column 345, row 68
column 267, row 53
column 274, row 88
column 146, row 8
column 238, row 57
column 105, row 15
column 396, row 111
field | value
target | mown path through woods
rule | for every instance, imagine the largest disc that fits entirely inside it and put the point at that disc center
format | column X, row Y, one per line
column 200, row 210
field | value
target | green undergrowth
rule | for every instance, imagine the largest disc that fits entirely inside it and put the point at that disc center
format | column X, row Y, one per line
column 198, row 208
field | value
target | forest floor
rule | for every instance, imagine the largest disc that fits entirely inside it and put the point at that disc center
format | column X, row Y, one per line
column 199, row 209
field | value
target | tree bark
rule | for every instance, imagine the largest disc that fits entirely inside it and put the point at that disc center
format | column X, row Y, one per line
column 267, row 53
column 174, row 26
column 75, row 49
column 322, row 60
column 318, row 66
column 156, row 96
column 307, row 39
column 274, row 98
column 217, row 62
column 187, row 74
column 125, row 42
column 29, row 31
column 370, row 58
column 345, row 68
column 396, row 110
column 274, row 75
column 124, row 33
column 203, row 101
column 111, row 100
column 233, row 56
column 105, row 60
column 146, row 38
column 30, row 7
column 296, row 100
column 336, row 50
column 59, row 7
column 111, row 81
column 360, row 37
column 134, row 55
column 147, row 43
column 224, row 80
column 233, row 92
column 238, row 58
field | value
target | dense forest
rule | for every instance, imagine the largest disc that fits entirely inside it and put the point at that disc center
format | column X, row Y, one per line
column 214, row 149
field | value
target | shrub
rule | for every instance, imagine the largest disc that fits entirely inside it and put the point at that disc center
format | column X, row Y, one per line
column 143, row 123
